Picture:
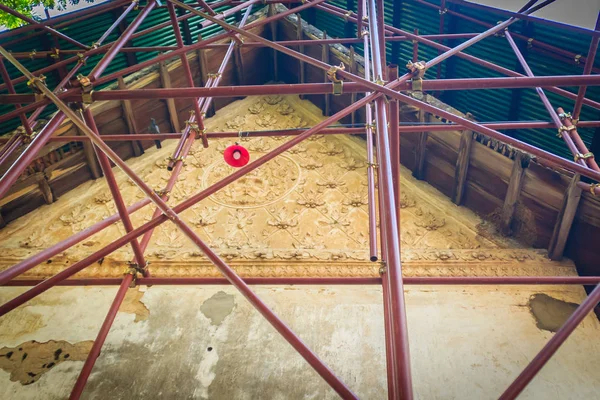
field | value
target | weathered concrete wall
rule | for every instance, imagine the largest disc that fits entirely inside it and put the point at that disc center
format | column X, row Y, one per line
column 208, row 342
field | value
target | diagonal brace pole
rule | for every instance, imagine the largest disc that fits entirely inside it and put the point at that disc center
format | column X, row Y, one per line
column 43, row 27
column 116, row 194
column 231, row 276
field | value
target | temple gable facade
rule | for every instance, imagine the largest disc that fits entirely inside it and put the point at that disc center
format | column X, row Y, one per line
column 303, row 214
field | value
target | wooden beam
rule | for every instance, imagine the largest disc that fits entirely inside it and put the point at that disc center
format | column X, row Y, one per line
column 130, row 57
column 136, row 147
column 325, row 59
column 44, row 186
column 421, row 150
column 564, row 220
column 202, row 64
column 462, row 166
column 165, row 79
column 273, row 28
column 90, row 157
column 238, row 59
column 300, row 36
column 513, row 193
column 185, row 24
column 353, row 68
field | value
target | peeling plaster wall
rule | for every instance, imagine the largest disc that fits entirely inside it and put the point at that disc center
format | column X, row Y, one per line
column 208, row 342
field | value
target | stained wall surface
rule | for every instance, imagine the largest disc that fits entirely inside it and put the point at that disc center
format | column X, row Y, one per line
column 304, row 214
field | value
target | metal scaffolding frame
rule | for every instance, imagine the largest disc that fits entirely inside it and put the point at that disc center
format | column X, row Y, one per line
column 380, row 85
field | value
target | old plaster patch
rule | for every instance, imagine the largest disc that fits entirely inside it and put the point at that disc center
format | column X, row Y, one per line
column 550, row 313
column 28, row 361
column 132, row 304
column 206, row 374
column 218, row 307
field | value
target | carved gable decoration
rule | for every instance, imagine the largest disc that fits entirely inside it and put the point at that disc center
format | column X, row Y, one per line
column 301, row 214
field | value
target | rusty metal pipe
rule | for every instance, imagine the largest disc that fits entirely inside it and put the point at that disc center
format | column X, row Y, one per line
column 390, row 231
column 341, row 13
column 370, row 161
column 125, row 37
column 34, row 23
column 113, row 186
column 587, row 69
column 409, row 280
column 566, row 138
column 100, row 338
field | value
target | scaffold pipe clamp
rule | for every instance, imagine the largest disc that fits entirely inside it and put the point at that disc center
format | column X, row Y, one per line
column 338, row 84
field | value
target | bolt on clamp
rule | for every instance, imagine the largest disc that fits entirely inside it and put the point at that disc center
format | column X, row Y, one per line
column 564, row 115
column 161, row 192
column 338, row 84
column 566, row 129
column 175, row 159
column 585, row 156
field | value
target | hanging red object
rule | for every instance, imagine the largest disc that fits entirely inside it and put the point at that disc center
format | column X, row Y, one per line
column 236, row 155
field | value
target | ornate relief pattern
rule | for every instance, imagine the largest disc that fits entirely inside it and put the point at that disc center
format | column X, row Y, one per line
column 261, row 187
column 301, row 214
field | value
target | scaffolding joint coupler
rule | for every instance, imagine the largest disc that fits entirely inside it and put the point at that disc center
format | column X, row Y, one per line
column 161, row 192
column 25, row 137
column 500, row 33
column 200, row 133
column 564, row 115
column 176, row 159
column 565, row 128
column 382, row 267
column 239, row 41
column 32, row 84
column 338, row 84
column 417, row 69
column 585, row 156
column 86, row 88
column 132, row 269
column 192, row 125
column 55, row 53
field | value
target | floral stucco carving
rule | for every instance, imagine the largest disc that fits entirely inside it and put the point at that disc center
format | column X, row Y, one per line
column 303, row 213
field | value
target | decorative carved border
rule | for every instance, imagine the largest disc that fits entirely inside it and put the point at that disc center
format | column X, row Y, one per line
column 460, row 263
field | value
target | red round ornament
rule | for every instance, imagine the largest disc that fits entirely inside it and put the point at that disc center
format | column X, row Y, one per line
column 236, row 155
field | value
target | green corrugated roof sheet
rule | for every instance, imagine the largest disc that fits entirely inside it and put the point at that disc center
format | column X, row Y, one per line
column 486, row 105
column 489, row 105
column 88, row 32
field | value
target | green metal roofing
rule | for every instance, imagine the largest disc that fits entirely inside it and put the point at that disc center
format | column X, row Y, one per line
column 88, row 32
column 488, row 105
column 485, row 105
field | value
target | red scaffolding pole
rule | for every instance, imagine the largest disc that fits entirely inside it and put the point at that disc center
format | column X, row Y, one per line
column 392, row 281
